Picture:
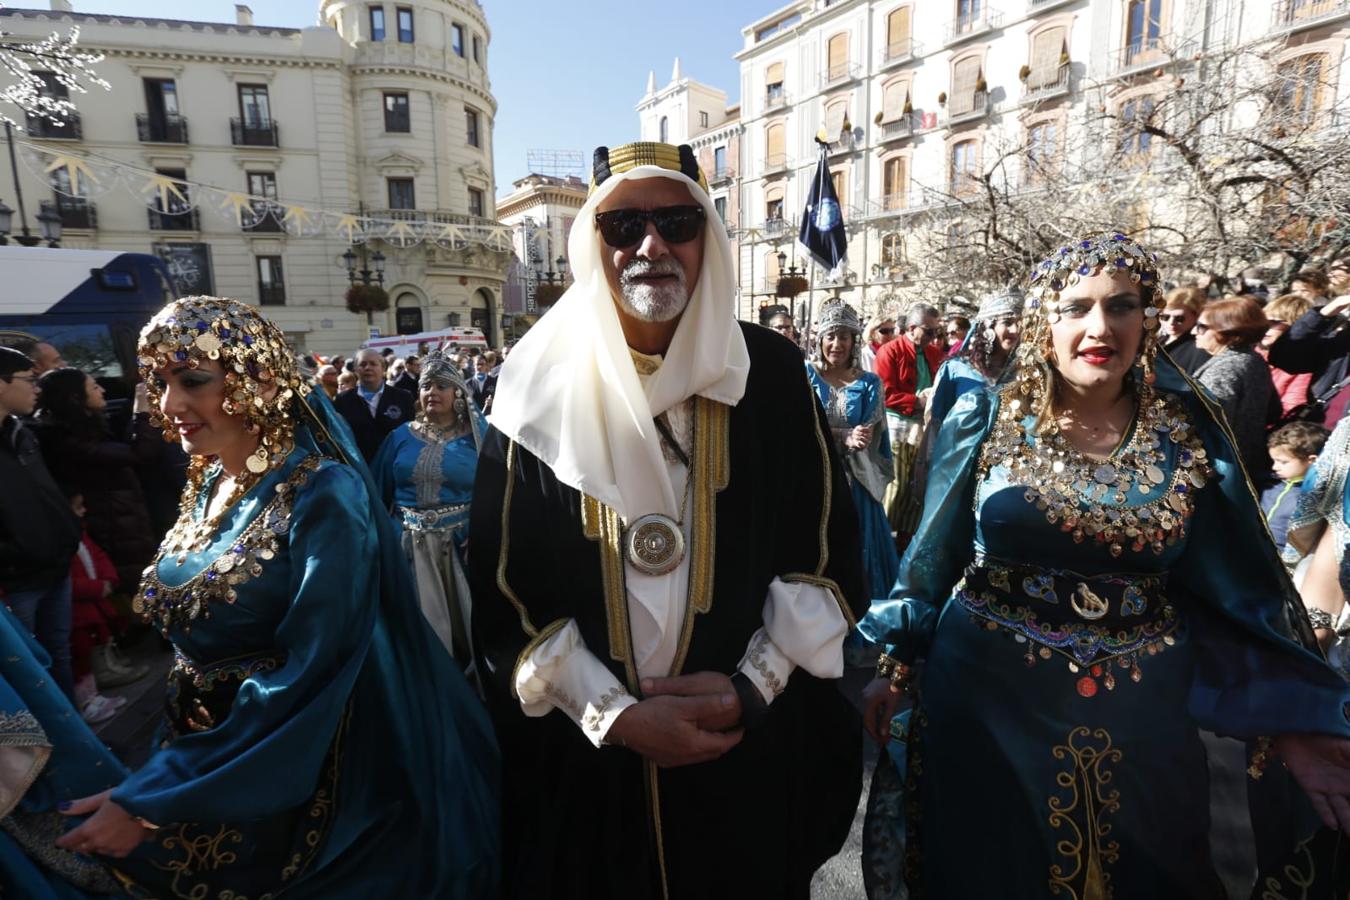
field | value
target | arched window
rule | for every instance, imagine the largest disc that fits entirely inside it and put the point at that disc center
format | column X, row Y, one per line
column 963, row 166
column 665, row 130
column 965, row 74
column 893, row 250
column 1047, row 52
column 1042, row 148
column 771, row 270
column 893, row 100
column 893, row 183
column 1302, row 89
column 897, row 33
column 836, row 52
column 835, row 116
column 775, row 140
column 1134, row 114
column 773, row 85
column 773, row 203
column 1143, row 29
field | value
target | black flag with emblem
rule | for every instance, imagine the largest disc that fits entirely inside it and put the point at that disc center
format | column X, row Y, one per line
column 822, row 231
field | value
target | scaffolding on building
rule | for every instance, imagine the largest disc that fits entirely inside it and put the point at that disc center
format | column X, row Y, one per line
column 556, row 163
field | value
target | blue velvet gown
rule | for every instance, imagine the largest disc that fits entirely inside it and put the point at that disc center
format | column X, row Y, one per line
column 427, row 484
column 862, row 402
column 316, row 738
column 958, row 376
column 48, row 756
column 1060, row 750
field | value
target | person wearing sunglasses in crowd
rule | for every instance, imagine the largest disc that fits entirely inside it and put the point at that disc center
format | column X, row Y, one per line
column 1177, row 327
column 907, row 366
column 783, row 324
column 879, row 331
column 662, row 626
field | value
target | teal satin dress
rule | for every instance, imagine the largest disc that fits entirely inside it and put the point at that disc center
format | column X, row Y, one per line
column 1054, row 737
column 317, row 740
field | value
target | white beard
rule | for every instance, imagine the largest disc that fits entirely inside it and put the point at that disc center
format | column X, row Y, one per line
column 652, row 302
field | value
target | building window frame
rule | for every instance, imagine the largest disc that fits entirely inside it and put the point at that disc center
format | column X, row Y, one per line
column 473, row 134
column 375, row 19
column 477, row 43
column 477, row 202
column 403, row 19
column 397, row 115
column 963, row 164
column 457, row 39
column 401, row 192
column 270, row 273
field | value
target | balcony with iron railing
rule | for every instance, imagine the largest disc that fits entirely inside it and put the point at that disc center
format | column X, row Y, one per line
column 267, row 218
column 1035, row 7
column 722, row 175
column 981, row 21
column 434, row 216
column 76, row 213
column 187, row 220
column 967, row 107
column 839, row 74
column 1046, row 84
column 254, row 133
column 775, row 99
column 775, row 228
column 273, row 294
column 775, row 162
column 1148, row 52
column 896, row 129
column 1288, row 16
column 900, row 52
column 915, row 200
column 69, row 129
column 161, row 129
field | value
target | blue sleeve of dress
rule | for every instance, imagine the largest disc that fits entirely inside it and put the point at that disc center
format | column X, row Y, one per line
column 944, row 543
column 944, row 393
column 382, row 468
column 266, row 756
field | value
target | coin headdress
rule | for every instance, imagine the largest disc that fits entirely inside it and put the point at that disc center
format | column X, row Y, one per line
column 440, row 371
column 255, row 357
column 838, row 314
column 1109, row 251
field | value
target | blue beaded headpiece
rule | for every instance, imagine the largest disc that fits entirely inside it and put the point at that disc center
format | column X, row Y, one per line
column 1111, row 251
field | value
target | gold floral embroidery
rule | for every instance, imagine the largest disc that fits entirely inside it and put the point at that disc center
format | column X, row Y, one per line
column 1090, row 797
column 593, row 718
column 1301, row 882
column 756, row 658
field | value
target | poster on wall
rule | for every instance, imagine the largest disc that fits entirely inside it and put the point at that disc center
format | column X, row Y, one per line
column 190, row 266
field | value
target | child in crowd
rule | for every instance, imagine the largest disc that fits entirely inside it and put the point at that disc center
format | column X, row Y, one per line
column 94, row 659
column 1293, row 449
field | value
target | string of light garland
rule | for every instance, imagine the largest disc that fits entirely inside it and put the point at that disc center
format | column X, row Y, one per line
column 88, row 176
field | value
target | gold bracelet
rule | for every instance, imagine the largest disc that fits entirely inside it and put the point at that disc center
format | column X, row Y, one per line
column 892, row 668
column 147, row 825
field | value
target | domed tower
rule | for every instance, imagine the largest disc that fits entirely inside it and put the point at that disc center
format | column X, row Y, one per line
column 422, row 113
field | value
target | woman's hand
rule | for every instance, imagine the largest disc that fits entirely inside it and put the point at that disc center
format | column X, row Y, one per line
column 858, row 438
column 110, row 831
column 1320, row 764
column 879, row 703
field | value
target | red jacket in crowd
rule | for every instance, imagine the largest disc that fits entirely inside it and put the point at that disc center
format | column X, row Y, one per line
column 896, row 367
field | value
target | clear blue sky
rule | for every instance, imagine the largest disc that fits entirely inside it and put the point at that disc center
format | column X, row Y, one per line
column 566, row 75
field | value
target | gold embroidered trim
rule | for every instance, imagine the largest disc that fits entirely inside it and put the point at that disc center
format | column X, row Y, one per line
column 756, row 658
column 502, row 586
column 549, row 631
column 827, row 486
column 711, row 473
column 1090, row 798
column 830, row 585
column 654, row 801
column 593, row 718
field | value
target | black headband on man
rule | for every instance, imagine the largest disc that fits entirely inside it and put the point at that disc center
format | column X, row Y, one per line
column 607, row 162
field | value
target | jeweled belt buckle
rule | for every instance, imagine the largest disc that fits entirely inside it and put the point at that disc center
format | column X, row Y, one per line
column 654, row 544
column 1088, row 604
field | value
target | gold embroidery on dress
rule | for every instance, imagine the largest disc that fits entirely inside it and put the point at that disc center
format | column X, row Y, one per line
column 1090, row 798
column 258, row 542
column 593, row 718
column 827, row 486
column 1302, row 881
column 549, row 631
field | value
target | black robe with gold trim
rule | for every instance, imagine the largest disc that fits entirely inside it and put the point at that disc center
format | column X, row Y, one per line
column 769, row 500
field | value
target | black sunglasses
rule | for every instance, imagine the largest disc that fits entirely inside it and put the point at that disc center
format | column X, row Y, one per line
column 622, row 228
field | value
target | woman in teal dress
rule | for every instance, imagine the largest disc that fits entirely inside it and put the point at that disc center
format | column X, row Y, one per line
column 854, row 402
column 983, row 357
column 1091, row 584
column 425, row 471
column 317, row 739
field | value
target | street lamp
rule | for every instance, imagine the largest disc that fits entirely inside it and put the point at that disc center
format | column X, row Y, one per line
column 6, row 221
column 49, row 226
column 368, row 276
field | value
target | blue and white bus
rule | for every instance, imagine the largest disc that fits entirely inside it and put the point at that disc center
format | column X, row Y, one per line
column 89, row 304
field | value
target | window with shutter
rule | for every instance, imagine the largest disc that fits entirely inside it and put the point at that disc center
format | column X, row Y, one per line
column 964, row 76
column 893, row 100
column 773, row 204
column 835, row 114
column 839, row 177
column 893, row 183
column 775, row 138
column 1045, row 52
column 836, row 51
column 897, row 33
column 962, row 173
